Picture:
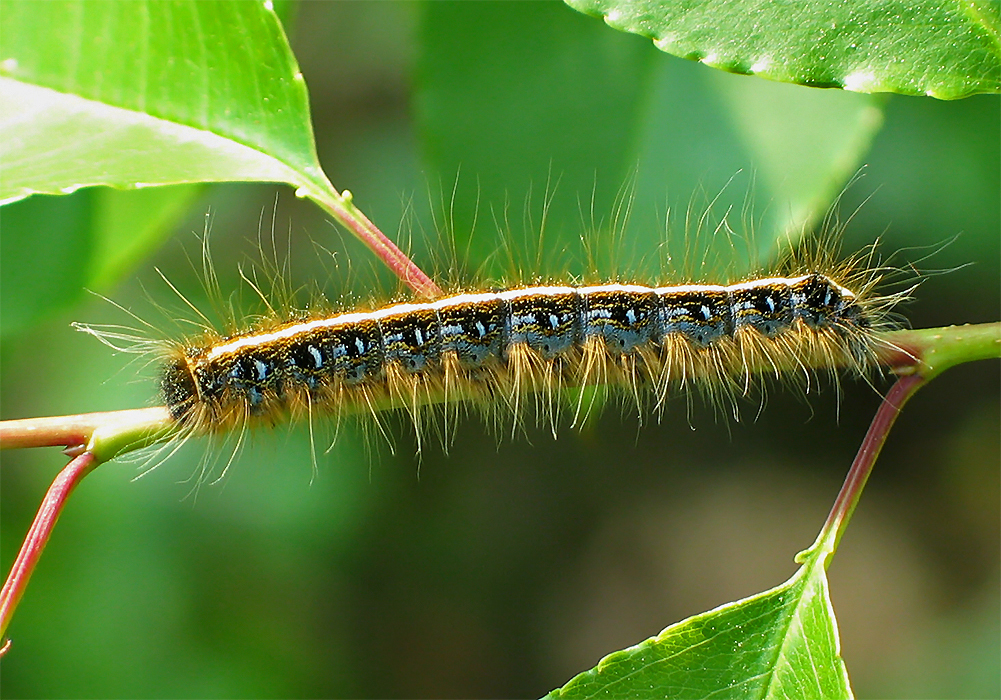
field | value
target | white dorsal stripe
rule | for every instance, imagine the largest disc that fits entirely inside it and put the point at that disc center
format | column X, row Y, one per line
column 555, row 290
column 767, row 282
column 633, row 288
column 460, row 300
column 691, row 289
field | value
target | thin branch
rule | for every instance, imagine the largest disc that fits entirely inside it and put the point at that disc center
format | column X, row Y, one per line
column 343, row 209
column 38, row 535
column 865, row 460
column 918, row 357
column 98, row 437
column 70, row 431
column 927, row 351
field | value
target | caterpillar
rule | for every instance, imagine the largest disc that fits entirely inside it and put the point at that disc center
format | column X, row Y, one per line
column 496, row 347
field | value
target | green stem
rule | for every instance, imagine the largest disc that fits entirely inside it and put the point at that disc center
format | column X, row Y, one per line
column 918, row 356
column 106, row 434
column 938, row 349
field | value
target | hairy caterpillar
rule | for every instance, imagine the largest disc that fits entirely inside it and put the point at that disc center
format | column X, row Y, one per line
column 496, row 347
column 526, row 347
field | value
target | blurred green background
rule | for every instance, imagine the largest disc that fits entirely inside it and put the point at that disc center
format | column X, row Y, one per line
column 506, row 566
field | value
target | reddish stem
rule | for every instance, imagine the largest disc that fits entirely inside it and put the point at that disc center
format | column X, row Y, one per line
column 861, row 468
column 71, row 431
column 387, row 251
column 77, row 432
column 38, row 535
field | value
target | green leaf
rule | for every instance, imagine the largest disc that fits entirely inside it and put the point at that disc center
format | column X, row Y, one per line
column 128, row 226
column 54, row 247
column 517, row 97
column 46, row 249
column 782, row 643
column 149, row 93
column 526, row 100
column 799, row 146
column 940, row 48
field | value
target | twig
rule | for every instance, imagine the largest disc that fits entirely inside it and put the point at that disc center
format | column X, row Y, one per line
column 98, row 437
column 73, row 431
column 918, row 356
column 342, row 208
column 38, row 535
column 858, row 474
